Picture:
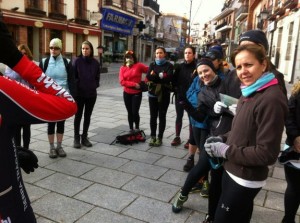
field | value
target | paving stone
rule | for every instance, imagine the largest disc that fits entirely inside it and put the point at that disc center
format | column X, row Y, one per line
column 106, row 197
column 275, row 201
column 70, row 167
column 113, row 150
column 35, row 192
column 100, row 215
column 167, row 151
column 174, row 177
column 141, row 156
column 108, row 177
column 170, row 162
column 154, row 211
column 266, row 215
column 276, row 185
column 278, row 173
column 151, row 188
column 61, row 208
column 64, row 184
column 143, row 169
column 105, row 160
column 38, row 174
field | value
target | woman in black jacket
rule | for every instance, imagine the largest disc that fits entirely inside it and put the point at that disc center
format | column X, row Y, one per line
column 159, row 78
column 292, row 173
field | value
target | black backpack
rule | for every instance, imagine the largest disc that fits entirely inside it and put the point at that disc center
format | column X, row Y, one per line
column 130, row 138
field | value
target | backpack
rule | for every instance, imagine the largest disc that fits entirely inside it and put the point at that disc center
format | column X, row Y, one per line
column 130, row 138
column 45, row 62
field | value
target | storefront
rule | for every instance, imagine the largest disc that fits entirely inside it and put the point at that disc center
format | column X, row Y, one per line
column 117, row 27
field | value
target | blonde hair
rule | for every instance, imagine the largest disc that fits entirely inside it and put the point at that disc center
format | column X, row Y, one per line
column 27, row 50
column 296, row 88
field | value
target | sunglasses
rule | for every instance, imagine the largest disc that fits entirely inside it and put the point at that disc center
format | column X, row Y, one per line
column 54, row 48
column 210, row 55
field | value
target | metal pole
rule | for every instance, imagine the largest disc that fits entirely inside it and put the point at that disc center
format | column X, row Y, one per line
column 190, row 23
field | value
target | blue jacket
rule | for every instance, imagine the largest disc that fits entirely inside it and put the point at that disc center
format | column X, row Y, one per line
column 192, row 97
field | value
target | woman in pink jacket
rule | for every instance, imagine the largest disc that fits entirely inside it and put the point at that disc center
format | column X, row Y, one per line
column 130, row 78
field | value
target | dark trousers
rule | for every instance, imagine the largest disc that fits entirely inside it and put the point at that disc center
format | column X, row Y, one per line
column 133, row 104
column 292, row 193
column 158, row 110
column 60, row 127
column 236, row 202
column 86, row 104
column 26, row 134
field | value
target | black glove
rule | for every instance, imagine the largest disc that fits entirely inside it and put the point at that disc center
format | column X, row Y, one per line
column 27, row 160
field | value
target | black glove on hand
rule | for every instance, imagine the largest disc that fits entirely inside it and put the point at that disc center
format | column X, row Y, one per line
column 27, row 160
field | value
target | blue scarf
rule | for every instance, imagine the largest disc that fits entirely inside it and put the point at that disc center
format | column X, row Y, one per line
column 264, row 79
column 160, row 61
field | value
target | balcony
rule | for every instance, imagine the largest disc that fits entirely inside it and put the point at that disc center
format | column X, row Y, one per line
column 151, row 31
column 279, row 11
column 57, row 11
column 242, row 13
column 127, row 6
column 152, row 4
column 35, row 8
column 83, row 17
column 223, row 27
column 290, row 4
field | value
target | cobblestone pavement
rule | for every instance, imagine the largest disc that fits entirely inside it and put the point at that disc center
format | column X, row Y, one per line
column 115, row 183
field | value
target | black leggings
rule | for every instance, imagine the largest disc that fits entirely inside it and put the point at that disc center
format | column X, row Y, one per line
column 178, row 122
column 236, row 202
column 60, row 127
column 88, row 105
column 292, row 193
column 26, row 134
column 158, row 109
column 133, row 104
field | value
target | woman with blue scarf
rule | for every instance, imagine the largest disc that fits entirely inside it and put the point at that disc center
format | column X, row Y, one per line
column 254, row 140
column 159, row 78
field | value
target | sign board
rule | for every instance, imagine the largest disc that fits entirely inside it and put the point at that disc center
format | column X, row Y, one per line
column 117, row 22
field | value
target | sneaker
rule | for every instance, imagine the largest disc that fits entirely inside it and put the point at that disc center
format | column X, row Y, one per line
column 85, row 141
column 197, row 188
column 178, row 202
column 189, row 164
column 186, row 145
column 205, row 189
column 61, row 152
column 53, row 153
column 152, row 141
column 158, row 142
column 207, row 219
column 288, row 155
column 176, row 141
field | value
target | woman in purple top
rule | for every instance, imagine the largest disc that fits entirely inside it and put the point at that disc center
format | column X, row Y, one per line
column 87, row 77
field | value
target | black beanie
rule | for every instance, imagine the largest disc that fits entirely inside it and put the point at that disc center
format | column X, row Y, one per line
column 256, row 36
column 208, row 62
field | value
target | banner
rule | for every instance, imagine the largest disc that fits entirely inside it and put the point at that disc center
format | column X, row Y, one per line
column 117, row 22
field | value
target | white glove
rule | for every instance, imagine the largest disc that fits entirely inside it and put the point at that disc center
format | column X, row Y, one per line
column 219, row 106
column 232, row 108
column 213, row 139
column 217, row 149
column 161, row 75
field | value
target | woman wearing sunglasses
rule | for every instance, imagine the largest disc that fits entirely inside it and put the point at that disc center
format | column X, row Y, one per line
column 130, row 78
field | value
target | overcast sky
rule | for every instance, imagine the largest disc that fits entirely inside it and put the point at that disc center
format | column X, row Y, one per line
column 202, row 10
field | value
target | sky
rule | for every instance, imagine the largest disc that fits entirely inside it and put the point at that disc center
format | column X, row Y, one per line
column 202, row 10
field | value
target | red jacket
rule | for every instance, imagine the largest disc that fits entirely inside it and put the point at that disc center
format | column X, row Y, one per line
column 130, row 76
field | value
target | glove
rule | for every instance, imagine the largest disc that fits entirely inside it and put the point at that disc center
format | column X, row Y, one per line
column 232, row 108
column 27, row 160
column 217, row 149
column 218, row 107
column 213, row 139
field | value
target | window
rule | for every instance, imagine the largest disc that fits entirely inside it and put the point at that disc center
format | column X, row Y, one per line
column 289, row 45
